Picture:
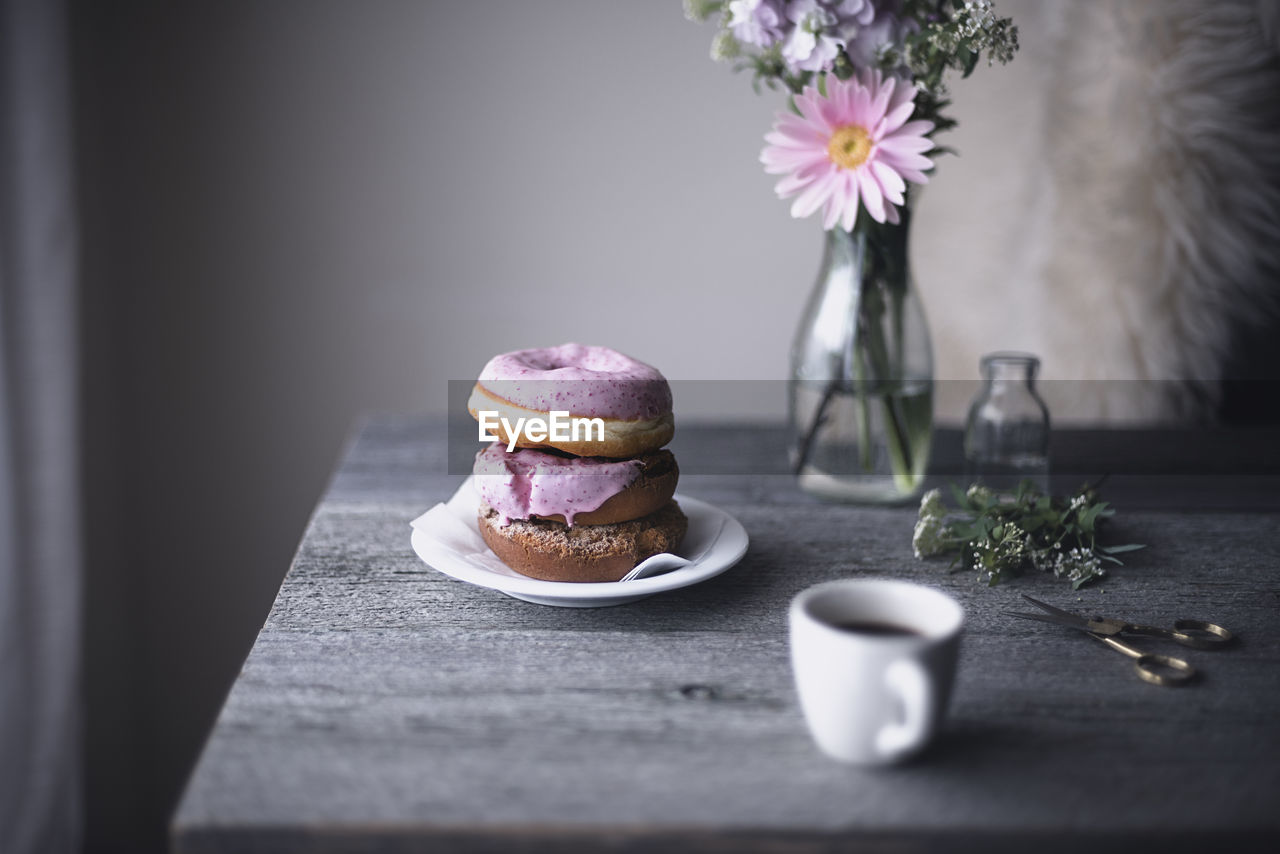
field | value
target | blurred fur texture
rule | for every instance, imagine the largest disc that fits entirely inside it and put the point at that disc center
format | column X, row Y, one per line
column 1159, row 221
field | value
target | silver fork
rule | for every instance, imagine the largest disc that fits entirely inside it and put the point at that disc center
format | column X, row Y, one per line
column 658, row 564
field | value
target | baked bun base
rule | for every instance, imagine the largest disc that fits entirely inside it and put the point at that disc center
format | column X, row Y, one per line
column 551, row 551
column 621, row 438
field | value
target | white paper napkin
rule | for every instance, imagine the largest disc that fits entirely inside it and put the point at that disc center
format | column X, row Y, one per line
column 452, row 529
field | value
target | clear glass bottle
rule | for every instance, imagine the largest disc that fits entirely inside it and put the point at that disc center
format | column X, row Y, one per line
column 861, row 391
column 1006, row 437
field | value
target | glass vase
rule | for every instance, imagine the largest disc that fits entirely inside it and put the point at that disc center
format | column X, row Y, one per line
column 861, row 390
column 1006, row 436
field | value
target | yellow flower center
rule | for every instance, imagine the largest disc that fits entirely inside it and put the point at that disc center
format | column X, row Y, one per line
column 850, row 146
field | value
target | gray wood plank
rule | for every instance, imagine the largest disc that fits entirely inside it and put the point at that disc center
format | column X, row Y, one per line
column 385, row 705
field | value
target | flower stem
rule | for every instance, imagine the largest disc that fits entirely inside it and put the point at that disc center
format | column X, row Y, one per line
column 864, row 410
column 897, row 434
column 883, row 271
column 819, row 418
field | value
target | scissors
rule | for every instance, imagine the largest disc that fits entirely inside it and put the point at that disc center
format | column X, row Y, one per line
column 1156, row 669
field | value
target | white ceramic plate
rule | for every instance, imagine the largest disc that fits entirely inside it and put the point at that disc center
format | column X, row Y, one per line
column 715, row 541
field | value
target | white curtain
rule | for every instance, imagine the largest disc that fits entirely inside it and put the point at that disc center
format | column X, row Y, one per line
column 39, row 466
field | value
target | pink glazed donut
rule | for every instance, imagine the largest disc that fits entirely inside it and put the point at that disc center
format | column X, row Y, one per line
column 630, row 398
column 532, row 484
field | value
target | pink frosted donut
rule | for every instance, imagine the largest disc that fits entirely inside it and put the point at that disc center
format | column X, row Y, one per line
column 531, row 484
column 631, row 398
column 589, row 381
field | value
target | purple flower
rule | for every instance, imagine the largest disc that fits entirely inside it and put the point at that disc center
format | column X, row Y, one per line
column 864, row 42
column 756, row 22
column 820, row 29
column 859, row 12
column 812, row 44
column 810, row 34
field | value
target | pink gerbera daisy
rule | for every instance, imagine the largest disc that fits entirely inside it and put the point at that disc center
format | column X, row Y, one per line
column 853, row 144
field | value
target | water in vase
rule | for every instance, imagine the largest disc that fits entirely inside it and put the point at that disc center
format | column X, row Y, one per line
column 868, row 447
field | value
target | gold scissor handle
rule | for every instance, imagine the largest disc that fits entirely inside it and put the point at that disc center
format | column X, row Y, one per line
column 1207, row 635
column 1163, row 670
column 1156, row 669
column 1196, row 634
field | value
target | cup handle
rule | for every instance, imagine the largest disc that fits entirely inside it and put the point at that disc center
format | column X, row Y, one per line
column 907, row 679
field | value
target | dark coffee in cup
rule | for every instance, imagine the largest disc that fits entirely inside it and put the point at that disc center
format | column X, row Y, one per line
column 875, row 628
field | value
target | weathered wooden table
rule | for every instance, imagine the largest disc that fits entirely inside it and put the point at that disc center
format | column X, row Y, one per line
column 387, row 707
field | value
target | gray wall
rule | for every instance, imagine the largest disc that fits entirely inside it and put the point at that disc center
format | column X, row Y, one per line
column 297, row 211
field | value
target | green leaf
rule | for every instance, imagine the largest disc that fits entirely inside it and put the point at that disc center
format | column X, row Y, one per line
column 1128, row 547
column 1033, row 523
column 1086, row 518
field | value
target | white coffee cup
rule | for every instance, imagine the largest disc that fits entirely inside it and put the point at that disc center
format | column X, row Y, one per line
column 874, row 660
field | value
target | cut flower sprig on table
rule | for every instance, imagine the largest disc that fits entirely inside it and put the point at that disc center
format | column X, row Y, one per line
column 866, row 95
column 999, row 535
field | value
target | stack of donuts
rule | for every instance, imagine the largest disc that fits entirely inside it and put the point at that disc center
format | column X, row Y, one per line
column 591, row 506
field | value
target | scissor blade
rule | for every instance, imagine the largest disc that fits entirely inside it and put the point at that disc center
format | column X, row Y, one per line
column 1070, row 620
column 1066, row 618
column 1097, row 625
